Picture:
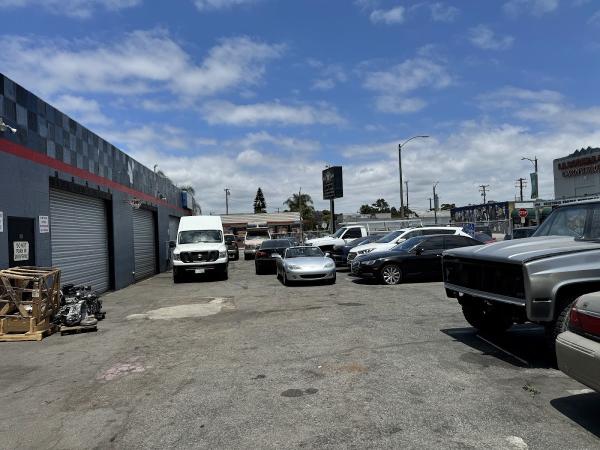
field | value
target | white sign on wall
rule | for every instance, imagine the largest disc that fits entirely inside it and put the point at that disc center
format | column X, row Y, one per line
column 1, row 222
column 44, row 224
column 21, row 250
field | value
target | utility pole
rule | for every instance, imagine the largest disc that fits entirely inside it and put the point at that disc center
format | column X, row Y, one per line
column 483, row 188
column 522, row 182
column 534, row 161
column 400, row 170
column 406, row 184
column 435, row 202
column 227, row 194
column 300, row 212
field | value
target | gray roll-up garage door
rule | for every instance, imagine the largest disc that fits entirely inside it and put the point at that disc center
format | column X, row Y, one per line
column 79, row 239
column 144, row 243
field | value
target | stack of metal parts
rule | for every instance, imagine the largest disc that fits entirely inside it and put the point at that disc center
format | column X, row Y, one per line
column 79, row 305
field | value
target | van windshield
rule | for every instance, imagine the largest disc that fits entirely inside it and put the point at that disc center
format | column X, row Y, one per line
column 200, row 236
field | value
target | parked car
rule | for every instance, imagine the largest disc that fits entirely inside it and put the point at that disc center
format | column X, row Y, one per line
column 200, row 247
column 520, row 233
column 255, row 235
column 534, row 279
column 483, row 238
column 340, row 252
column 390, row 240
column 342, row 236
column 578, row 348
column 419, row 256
column 264, row 261
column 233, row 250
column 305, row 264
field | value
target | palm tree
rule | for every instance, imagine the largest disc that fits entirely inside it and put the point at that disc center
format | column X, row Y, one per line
column 293, row 203
column 189, row 188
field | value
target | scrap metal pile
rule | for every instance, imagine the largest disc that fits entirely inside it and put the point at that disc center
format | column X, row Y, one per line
column 79, row 305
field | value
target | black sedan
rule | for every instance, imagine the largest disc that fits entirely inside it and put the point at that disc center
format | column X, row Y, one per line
column 340, row 252
column 418, row 257
column 263, row 261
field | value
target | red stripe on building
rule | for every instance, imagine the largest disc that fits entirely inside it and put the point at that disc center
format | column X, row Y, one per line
column 38, row 158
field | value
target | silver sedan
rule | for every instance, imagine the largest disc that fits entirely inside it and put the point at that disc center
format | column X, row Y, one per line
column 578, row 348
column 305, row 264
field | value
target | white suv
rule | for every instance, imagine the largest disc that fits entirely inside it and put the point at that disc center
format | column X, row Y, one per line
column 394, row 238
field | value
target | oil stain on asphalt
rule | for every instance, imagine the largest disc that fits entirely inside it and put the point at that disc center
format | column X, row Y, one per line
column 299, row 392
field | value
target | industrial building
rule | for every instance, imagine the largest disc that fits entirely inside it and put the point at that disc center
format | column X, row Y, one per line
column 71, row 200
column 578, row 174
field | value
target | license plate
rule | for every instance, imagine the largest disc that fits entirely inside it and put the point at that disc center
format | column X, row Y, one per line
column 199, row 271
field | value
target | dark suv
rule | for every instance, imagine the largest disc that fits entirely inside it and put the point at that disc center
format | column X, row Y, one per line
column 232, row 248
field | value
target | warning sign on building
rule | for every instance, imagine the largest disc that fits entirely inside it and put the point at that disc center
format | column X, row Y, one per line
column 21, row 250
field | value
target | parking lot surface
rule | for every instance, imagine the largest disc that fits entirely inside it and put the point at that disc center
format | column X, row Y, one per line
column 249, row 363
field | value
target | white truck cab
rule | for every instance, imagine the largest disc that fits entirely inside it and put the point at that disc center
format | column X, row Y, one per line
column 255, row 235
column 200, row 247
column 342, row 236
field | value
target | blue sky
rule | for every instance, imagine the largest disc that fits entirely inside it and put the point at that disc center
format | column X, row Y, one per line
column 248, row 93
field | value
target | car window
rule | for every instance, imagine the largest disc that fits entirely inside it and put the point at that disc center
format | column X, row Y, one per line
column 434, row 243
column 299, row 252
column 458, row 241
column 564, row 222
column 412, row 234
column 353, row 233
column 275, row 243
column 439, row 231
column 389, row 237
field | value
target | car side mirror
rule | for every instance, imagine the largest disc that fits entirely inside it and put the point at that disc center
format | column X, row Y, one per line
column 327, row 255
column 172, row 244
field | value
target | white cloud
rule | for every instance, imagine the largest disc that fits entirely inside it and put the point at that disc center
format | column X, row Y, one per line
column 81, row 9
column 214, row 5
column 278, row 141
column 595, row 18
column 389, row 16
column 222, row 112
column 137, row 63
column 484, row 37
column 393, row 86
column 329, row 75
column 441, row 12
column 84, row 110
column 534, row 7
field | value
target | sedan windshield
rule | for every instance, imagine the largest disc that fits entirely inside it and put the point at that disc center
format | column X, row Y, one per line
column 409, row 244
column 275, row 243
column 200, row 236
column 303, row 252
column 390, row 236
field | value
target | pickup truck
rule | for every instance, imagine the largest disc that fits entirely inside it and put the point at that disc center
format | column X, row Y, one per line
column 534, row 279
column 341, row 237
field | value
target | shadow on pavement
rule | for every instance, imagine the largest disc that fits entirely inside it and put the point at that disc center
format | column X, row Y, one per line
column 521, row 346
column 581, row 409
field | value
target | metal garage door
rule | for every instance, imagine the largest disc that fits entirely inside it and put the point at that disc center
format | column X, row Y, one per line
column 79, row 239
column 144, row 243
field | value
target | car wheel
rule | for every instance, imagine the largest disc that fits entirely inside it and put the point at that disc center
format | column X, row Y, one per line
column 332, row 281
column 258, row 270
column 177, row 276
column 553, row 329
column 486, row 317
column 391, row 274
column 284, row 279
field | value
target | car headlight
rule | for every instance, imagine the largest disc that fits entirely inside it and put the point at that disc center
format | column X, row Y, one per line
column 369, row 262
column 293, row 267
column 222, row 253
column 176, row 257
column 329, row 265
column 365, row 251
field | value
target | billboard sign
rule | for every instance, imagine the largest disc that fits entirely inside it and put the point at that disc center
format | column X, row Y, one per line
column 333, row 185
column 534, row 185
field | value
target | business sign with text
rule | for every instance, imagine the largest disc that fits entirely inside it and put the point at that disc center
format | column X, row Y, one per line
column 333, row 184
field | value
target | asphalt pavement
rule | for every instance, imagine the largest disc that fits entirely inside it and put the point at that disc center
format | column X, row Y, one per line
column 250, row 363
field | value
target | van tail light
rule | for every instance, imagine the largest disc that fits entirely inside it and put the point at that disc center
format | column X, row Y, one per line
column 261, row 254
column 584, row 322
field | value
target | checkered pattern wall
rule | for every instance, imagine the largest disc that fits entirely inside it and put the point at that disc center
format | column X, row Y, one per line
column 46, row 130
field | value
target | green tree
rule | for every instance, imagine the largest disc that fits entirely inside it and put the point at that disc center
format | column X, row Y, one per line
column 381, row 206
column 447, row 206
column 260, row 205
column 303, row 204
column 189, row 188
column 367, row 209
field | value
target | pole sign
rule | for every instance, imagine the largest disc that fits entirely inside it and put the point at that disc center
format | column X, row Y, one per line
column 534, row 185
column 333, row 185
column 469, row 228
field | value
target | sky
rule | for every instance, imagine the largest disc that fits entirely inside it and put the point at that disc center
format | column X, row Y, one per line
column 245, row 93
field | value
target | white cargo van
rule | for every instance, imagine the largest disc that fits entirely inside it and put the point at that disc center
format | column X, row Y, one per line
column 200, row 247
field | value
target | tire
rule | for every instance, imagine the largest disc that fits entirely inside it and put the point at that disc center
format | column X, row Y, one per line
column 177, row 276
column 246, row 257
column 284, row 279
column 391, row 274
column 486, row 318
column 553, row 329
column 237, row 256
column 258, row 270
column 332, row 281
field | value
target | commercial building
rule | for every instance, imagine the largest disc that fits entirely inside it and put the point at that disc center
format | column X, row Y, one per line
column 69, row 199
column 279, row 223
column 578, row 174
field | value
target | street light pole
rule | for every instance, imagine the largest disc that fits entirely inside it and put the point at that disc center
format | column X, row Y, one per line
column 227, row 194
column 534, row 161
column 400, row 170
column 435, row 202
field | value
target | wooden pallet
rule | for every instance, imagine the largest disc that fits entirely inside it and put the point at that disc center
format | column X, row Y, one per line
column 77, row 329
column 34, row 336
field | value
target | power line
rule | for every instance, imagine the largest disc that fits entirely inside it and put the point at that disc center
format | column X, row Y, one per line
column 483, row 188
column 521, row 182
